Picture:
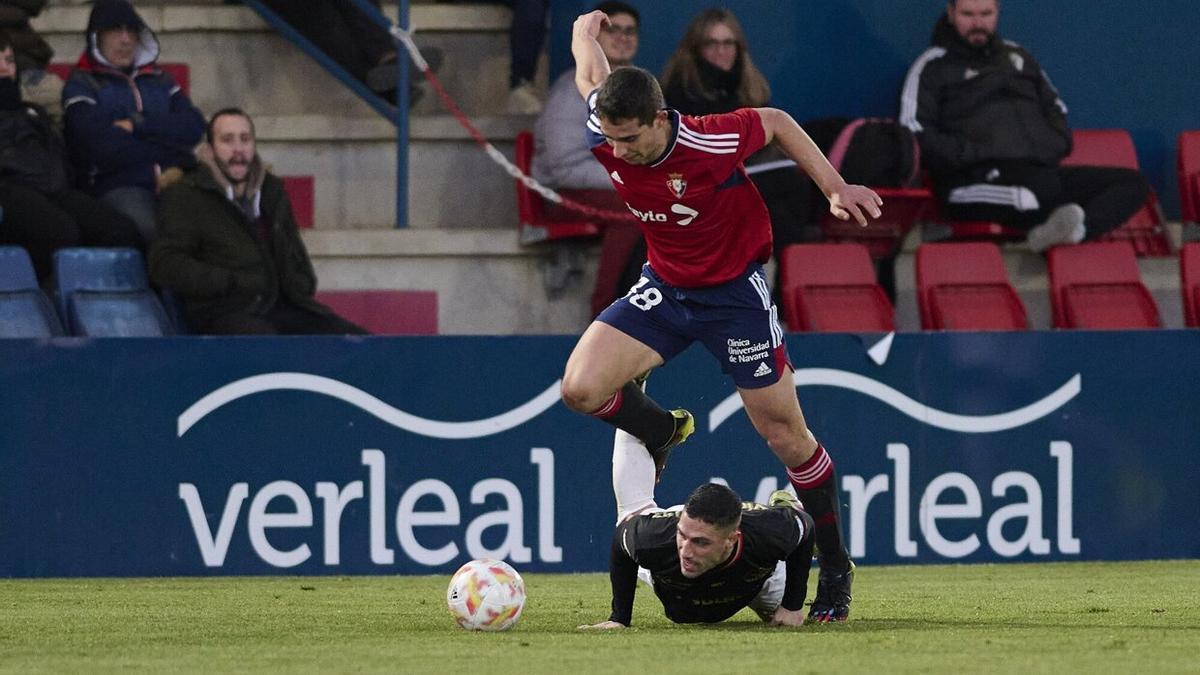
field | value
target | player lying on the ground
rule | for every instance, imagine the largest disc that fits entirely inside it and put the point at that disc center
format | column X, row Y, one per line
column 711, row 558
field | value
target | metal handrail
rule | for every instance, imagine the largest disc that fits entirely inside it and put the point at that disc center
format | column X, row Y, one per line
column 397, row 115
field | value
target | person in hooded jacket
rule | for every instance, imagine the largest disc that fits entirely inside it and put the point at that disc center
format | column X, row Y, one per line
column 42, row 212
column 993, row 131
column 229, row 247
column 127, row 122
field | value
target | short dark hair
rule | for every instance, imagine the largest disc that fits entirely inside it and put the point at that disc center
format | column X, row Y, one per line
column 716, row 505
column 5, row 41
column 629, row 93
column 212, row 121
column 611, row 7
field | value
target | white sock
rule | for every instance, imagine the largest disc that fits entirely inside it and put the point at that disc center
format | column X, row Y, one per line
column 633, row 475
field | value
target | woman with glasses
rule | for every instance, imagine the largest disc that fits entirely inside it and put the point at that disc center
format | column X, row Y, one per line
column 711, row 70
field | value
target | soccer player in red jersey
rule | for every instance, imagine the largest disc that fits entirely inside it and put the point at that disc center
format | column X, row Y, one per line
column 707, row 235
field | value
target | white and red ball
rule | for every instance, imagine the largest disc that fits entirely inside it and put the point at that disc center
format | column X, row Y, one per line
column 487, row 595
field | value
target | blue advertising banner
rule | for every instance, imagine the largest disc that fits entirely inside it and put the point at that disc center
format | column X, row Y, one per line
column 196, row 456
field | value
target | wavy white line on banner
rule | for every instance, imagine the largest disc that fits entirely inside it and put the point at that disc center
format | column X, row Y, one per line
column 368, row 403
column 968, row 424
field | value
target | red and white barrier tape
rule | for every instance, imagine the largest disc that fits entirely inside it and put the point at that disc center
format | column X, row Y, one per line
column 414, row 53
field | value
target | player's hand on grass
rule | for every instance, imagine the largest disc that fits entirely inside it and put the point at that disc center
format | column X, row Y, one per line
column 855, row 201
column 787, row 617
column 603, row 625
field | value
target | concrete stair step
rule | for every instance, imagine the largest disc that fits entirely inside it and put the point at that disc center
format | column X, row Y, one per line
column 485, row 284
column 353, row 163
column 236, row 58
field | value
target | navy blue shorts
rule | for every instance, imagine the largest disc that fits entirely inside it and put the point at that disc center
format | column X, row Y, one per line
column 735, row 321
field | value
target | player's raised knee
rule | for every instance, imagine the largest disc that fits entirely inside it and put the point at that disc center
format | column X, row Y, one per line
column 580, row 395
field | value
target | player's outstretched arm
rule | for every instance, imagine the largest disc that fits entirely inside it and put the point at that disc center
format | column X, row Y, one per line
column 622, row 574
column 591, row 65
column 845, row 201
column 798, row 563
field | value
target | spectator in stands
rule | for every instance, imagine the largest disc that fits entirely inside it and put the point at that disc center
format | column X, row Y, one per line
column 229, row 247
column 711, row 70
column 993, row 130
column 41, row 211
column 354, row 41
column 127, row 121
column 526, row 35
column 563, row 161
column 33, row 55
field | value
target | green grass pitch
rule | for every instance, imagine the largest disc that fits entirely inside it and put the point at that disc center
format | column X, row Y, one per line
column 1048, row 617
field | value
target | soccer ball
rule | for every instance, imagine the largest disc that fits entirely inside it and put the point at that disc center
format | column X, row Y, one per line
column 486, row 594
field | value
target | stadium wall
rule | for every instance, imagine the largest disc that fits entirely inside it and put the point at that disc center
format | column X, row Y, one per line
column 1117, row 64
column 223, row 456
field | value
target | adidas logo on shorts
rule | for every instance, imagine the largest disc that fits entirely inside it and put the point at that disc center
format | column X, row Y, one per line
column 763, row 369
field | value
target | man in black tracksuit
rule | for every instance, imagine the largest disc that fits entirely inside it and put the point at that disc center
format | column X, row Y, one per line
column 993, row 130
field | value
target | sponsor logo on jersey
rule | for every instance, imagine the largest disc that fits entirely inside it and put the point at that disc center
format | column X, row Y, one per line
column 689, row 214
column 648, row 216
column 686, row 211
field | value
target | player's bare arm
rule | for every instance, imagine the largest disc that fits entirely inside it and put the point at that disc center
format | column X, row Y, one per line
column 846, row 201
column 591, row 65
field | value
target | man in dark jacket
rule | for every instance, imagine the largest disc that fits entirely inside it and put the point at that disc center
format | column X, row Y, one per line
column 127, row 121
column 993, row 130
column 41, row 211
column 32, row 51
column 229, row 247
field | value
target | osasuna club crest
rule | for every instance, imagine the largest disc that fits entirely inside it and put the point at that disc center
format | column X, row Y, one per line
column 678, row 185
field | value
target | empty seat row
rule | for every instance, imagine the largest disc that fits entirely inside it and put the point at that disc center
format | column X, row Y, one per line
column 103, row 292
column 99, row 292
column 965, row 286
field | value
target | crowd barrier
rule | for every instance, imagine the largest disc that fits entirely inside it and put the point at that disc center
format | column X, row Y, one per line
column 246, row 456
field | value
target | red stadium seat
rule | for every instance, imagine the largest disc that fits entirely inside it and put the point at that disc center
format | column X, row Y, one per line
column 386, row 312
column 964, row 286
column 1114, row 147
column 902, row 209
column 1189, row 273
column 1098, row 286
column 832, row 288
column 180, row 71
column 983, row 230
column 534, row 225
column 1188, row 158
column 300, row 193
